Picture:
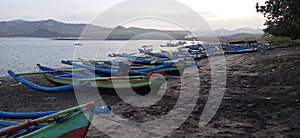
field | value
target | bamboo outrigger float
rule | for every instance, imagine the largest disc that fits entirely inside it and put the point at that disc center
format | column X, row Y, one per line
column 34, row 115
column 84, row 78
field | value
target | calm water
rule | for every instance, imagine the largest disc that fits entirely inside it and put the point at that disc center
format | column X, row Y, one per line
column 22, row 54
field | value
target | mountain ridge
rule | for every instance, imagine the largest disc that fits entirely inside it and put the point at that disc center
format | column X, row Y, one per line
column 52, row 28
column 225, row 32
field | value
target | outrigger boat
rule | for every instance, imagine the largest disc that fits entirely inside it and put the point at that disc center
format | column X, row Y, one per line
column 83, row 78
column 124, row 68
column 174, row 70
column 144, row 60
column 146, row 48
column 33, row 115
column 240, row 46
column 182, row 43
column 265, row 47
column 213, row 50
column 193, row 49
column 72, row 122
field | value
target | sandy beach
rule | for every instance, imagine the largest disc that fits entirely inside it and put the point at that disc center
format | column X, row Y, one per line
column 261, row 98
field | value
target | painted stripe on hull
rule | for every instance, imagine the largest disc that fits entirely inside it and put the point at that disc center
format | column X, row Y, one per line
column 76, row 121
column 105, row 84
column 78, row 133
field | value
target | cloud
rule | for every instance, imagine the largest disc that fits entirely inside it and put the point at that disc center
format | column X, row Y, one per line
column 218, row 13
column 235, row 23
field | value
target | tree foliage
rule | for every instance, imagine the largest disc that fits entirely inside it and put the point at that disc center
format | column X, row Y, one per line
column 283, row 17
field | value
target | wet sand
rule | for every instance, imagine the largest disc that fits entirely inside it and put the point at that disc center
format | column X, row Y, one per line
column 261, row 98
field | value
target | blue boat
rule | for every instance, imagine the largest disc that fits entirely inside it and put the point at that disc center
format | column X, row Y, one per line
column 144, row 60
column 213, row 49
column 175, row 70
column 33, row 115
column 160, row 55
column 265, row 47
column 18, row 77
column 116, row 71
column 72, row 122
column 83, row 78
column 240, row 46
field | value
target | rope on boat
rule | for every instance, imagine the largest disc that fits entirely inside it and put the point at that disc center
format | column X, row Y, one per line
column 60, row 119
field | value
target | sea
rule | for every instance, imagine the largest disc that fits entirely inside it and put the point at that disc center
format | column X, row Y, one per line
column 22, row 54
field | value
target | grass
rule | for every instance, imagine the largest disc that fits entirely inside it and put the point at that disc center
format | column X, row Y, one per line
column 282, row 41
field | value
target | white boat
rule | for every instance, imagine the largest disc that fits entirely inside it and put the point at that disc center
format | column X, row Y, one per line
column 146, row 48
column 182, row 45
column 78, row 44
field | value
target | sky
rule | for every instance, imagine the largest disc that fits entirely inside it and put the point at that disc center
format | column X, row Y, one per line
column 219, row 14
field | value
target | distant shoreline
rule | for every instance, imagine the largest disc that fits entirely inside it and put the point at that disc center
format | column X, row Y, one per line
column 85, row 39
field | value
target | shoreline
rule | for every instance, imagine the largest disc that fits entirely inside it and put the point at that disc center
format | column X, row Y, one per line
column 261, row 98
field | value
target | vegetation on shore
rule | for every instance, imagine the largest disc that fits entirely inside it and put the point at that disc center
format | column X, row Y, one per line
column 282, row 41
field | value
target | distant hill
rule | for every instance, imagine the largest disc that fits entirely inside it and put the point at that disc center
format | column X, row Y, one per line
column 44, row 28
column 241, row 36
column 224, row 32
column 55, row 29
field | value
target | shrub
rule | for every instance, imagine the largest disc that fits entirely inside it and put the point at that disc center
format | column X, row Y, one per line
column 282, row 41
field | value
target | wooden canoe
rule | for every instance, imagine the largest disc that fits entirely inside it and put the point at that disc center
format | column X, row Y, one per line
column 175, row 70
column 115, row 82
column 73, row 122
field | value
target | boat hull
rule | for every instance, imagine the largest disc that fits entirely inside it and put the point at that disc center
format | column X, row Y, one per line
column 175, row 70
column 241, row 51
column 75, row 127
column 72, row 122
column 116, row 82
column 109, row 84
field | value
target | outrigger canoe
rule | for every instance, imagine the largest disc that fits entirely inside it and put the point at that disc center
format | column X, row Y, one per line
column 111, row 71
column 237, row 50
column 145, row 60
column 266, row 47
column 175, row 70
column 83, row 78
column 73, row 122
column 33, row 115
column 240, row 46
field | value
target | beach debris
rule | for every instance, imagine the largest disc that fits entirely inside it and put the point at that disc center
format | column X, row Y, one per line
column 15, row 85
column 225, row 98
column 251, row 105
column 201, row 68
column 52, row 98
column 268, row 98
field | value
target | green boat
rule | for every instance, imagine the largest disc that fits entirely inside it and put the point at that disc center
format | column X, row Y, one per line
column 73, row 122
column 83, row 78
column 115, row 82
